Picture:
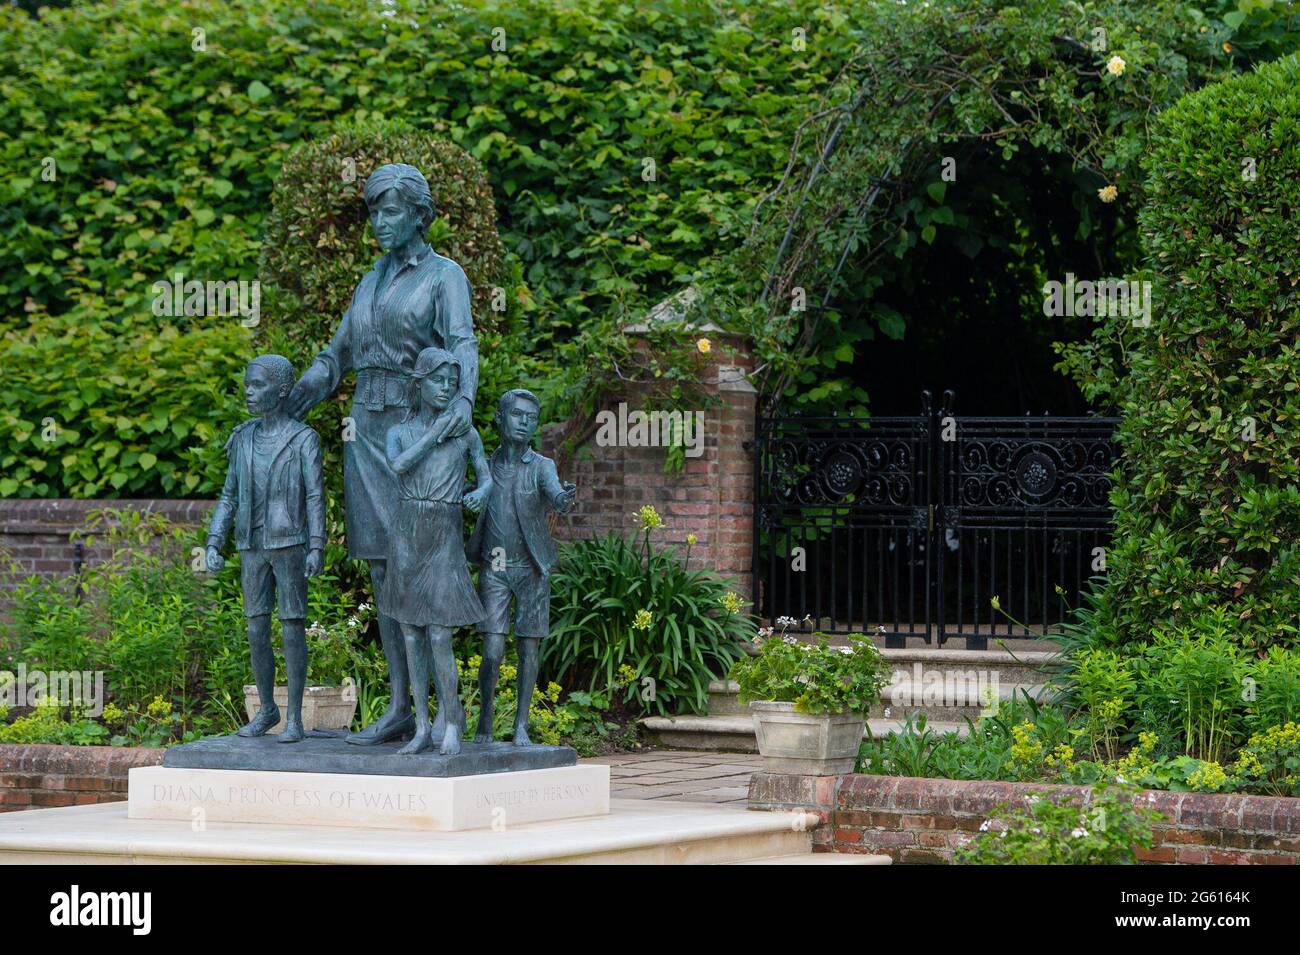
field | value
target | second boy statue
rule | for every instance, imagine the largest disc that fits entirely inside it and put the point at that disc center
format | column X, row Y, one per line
column 512, row 544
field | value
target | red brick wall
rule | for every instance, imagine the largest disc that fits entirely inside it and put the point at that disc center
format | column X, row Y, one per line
column 34, row 532
column 712, row 498
column 923, row 820
column 37, row 776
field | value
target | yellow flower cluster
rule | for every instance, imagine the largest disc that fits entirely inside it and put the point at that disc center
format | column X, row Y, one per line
column 1025, row 749
column 643, row 620
column 159, row 708
column 1137, row 761
column 731, row 602
column 1208, row 777
column 111, row 714
column 649, row 518
column 1279, row 745
column 1062, row 756
column 626, row 675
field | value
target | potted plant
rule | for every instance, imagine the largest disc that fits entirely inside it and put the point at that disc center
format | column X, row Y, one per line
column 323, row 707
column 810, row 700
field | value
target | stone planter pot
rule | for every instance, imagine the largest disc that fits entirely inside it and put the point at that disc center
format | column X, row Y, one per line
column 323, row 707
column 809, row 744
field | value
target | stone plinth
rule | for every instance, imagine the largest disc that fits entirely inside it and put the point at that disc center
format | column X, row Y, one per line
column 267, row 754
column 363, row 801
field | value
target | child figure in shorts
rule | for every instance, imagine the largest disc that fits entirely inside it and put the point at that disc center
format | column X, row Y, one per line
column 512, row 546
column 275, row 499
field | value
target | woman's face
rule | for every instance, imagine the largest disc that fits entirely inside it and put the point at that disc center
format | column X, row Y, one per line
column 440, row 386
column 395, row 222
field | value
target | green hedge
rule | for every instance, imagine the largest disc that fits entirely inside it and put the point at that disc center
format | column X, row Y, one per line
column 1208, row 512
column 166, row 156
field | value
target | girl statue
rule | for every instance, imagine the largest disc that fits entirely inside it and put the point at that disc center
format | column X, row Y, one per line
column 427, row 587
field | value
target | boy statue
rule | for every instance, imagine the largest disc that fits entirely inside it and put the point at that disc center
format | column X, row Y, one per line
column 274, row 496
column 513, row 547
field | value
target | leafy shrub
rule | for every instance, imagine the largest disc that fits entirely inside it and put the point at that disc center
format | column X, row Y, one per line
column 1023, row 740
column 677, row 628
column 1208, row 509
column 1190, row 690
column 91, row 408
column 1105, row 829
column 166, row 157
column 46, row 724
column 1104, row 684
column 815, row 677
column 1275, row 689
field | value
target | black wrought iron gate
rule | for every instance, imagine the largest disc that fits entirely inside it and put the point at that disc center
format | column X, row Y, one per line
column 912, row 526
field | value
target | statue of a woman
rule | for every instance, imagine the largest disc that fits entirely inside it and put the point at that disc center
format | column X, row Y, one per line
column 411, row 300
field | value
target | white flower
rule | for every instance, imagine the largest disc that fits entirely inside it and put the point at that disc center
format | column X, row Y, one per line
column 886, row 712
column 1079, row 833
column 786, row 621
column 847, row 651
column 786, row 638
column 364, row 607
column 764, row 632
column 353, row 622
column 1115, row 65
column 984, row 826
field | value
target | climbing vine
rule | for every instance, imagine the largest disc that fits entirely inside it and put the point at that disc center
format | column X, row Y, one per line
column 921, row 144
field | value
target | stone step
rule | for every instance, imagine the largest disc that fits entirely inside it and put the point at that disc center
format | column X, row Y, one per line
column 636, row 831
column 822, row 858
column 902, row 700
column 1026, row 667
column 965, row 705
column 735, row 734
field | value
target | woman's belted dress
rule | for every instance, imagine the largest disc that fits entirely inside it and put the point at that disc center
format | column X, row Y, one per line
column 398, row 310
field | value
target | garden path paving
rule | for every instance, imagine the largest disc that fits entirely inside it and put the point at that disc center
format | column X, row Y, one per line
column 681, row 775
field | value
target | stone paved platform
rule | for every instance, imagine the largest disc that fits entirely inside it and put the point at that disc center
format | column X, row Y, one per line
column 681, row 775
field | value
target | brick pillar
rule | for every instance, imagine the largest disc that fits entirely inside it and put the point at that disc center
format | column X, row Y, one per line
column 711, row 498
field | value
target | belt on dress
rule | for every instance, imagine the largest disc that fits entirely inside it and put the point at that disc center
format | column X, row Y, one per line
column 380, row 388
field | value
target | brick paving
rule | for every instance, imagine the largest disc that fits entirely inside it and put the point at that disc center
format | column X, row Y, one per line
column 687, row 776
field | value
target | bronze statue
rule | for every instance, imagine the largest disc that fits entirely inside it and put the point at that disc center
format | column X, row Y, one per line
column 274, row 498
column 427, row 589
column 512, row 546
column 411, row 300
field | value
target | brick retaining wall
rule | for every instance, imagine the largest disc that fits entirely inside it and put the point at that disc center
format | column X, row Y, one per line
column 37, row 776
column 35, row 531
column 923, row 820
